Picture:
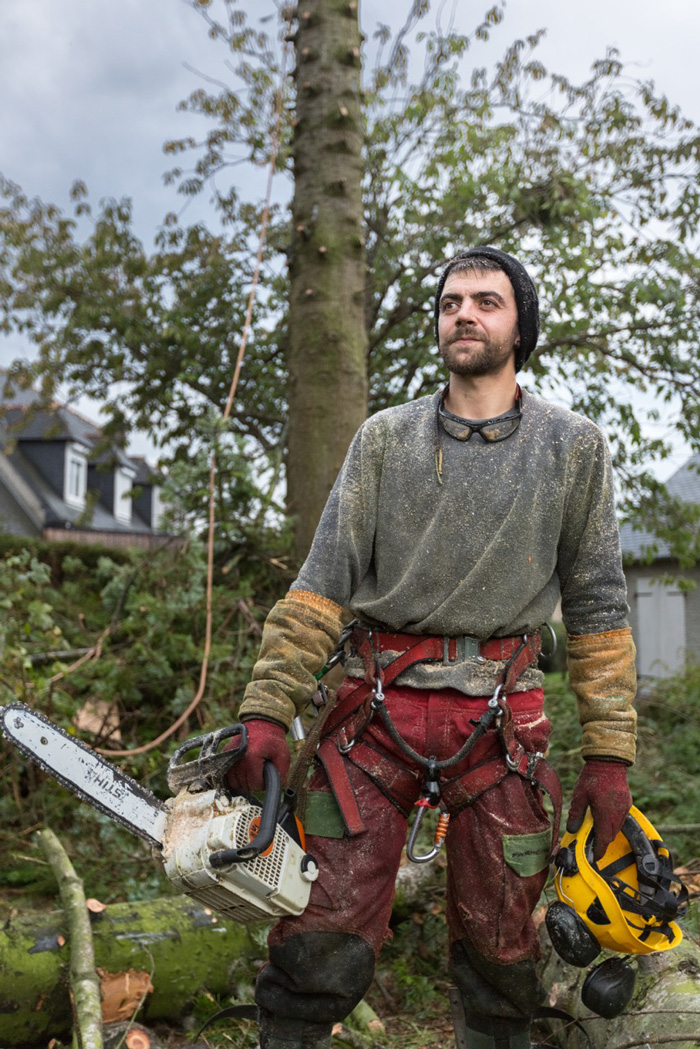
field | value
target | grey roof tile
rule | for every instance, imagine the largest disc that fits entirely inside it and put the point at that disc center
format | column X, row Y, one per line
column 685, row 485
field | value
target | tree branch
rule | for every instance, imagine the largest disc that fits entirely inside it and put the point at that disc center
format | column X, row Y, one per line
column 85, row 984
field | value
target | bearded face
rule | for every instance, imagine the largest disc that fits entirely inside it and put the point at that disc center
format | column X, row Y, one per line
column 478, row 324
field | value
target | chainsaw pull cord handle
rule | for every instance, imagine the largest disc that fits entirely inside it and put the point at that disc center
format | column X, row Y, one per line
column 266, row 830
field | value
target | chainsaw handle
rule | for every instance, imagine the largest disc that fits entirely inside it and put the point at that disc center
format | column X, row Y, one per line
column 266, row 830
column 209, row 767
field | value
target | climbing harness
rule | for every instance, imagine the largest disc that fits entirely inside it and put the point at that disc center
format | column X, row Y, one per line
column 345, row 728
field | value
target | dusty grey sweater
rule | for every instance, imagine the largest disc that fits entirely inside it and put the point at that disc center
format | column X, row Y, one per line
column 488, row 552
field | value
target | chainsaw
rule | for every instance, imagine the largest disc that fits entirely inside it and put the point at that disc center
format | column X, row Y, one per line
column 241, row 859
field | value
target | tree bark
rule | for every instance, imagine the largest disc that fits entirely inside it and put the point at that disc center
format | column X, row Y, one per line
column 327, row 341
column 176, row 943
column 84, row 982
column 665, row 1008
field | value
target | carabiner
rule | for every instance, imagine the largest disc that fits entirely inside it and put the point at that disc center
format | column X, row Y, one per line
column 495, row 702
column 440, row 832
column 378, row 693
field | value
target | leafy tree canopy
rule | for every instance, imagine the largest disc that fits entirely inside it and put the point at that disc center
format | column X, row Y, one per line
column 594, row 186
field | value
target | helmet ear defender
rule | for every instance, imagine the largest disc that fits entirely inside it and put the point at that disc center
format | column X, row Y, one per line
column 627, row 902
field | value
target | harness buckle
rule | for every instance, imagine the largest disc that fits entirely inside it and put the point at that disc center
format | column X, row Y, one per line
column 345, row 748
column 512, row 764
column 465, row 648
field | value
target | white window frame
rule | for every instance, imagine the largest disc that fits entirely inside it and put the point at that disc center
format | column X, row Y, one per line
column 123, row 483
column 75, row 470
column 157, row 508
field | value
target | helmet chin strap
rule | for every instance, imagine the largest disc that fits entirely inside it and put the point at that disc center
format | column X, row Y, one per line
column 655, row 875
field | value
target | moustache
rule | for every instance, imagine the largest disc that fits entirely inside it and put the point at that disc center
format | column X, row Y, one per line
column 464, row 335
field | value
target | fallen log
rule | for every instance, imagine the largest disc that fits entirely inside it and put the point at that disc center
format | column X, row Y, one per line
column 665, row 1008
column 173, row 944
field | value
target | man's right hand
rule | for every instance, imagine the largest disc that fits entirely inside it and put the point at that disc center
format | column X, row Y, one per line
column 266, row 742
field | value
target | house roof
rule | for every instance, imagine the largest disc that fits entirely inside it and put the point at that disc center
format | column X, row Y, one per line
column 57, row 513
column 683, row 484
column 24, row 420
column 145, row 474
column 26, row 423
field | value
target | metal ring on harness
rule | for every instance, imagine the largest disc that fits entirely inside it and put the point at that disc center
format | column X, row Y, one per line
column 512, row 765
column 378, row 700
column 495, row 701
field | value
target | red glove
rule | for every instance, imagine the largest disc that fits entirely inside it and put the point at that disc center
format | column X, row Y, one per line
column 602, row 787
column 266, row 742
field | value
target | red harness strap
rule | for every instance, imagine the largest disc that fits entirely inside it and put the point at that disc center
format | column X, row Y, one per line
column 521, row 652
column 334, row 765
column 345, row 726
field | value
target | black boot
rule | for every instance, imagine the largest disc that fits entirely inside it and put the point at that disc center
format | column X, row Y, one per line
column 276, row 1033
column 311, row 981
column 477, row 1040
column 498, row 1001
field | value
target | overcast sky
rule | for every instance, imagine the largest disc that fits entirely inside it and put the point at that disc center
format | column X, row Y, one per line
column 91, row 89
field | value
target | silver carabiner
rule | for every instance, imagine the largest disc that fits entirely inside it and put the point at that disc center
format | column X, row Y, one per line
column 378, row 693
column 438, row 841
column 495, row 701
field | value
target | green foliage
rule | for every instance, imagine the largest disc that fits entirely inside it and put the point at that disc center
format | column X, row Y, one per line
column 592, row 185
column 664, row 781
column 147, row 611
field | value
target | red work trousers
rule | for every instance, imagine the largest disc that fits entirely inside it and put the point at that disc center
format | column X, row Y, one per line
column 491, row 892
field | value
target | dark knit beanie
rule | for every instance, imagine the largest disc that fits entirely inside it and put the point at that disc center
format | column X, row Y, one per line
column 523, row 289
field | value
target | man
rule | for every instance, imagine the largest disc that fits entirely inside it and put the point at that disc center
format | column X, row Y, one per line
column 454, row 527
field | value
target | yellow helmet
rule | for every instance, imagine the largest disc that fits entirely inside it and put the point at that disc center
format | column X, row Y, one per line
column 624, row 901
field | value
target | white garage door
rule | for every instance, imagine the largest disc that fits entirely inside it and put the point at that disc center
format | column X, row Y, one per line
column 661, row 628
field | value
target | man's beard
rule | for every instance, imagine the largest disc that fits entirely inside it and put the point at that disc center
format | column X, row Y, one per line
column 485, row 358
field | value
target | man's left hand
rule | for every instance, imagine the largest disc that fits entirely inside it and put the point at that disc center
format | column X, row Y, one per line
column 602, row 787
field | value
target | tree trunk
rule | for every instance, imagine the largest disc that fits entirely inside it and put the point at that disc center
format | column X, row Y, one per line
column 176, row 943
column 665, row 1006
column 327, row 341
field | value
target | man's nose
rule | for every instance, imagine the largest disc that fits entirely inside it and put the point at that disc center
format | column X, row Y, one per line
column 465, row 314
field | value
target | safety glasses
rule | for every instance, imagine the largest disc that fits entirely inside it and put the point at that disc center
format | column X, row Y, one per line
column 491, row 430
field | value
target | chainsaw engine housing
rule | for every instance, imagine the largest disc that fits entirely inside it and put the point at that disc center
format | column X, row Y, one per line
column 275, row 883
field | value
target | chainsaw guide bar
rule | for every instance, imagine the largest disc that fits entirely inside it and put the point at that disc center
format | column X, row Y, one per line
column 84, row 772
column 246, row 862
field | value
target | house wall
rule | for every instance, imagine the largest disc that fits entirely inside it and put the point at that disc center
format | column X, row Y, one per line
column 103, row 481
column 50, row 459
column 143, row 504
column 691, row 600
column 119, row 540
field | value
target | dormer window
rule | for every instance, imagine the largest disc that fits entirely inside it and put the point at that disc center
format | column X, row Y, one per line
column 75, row 476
